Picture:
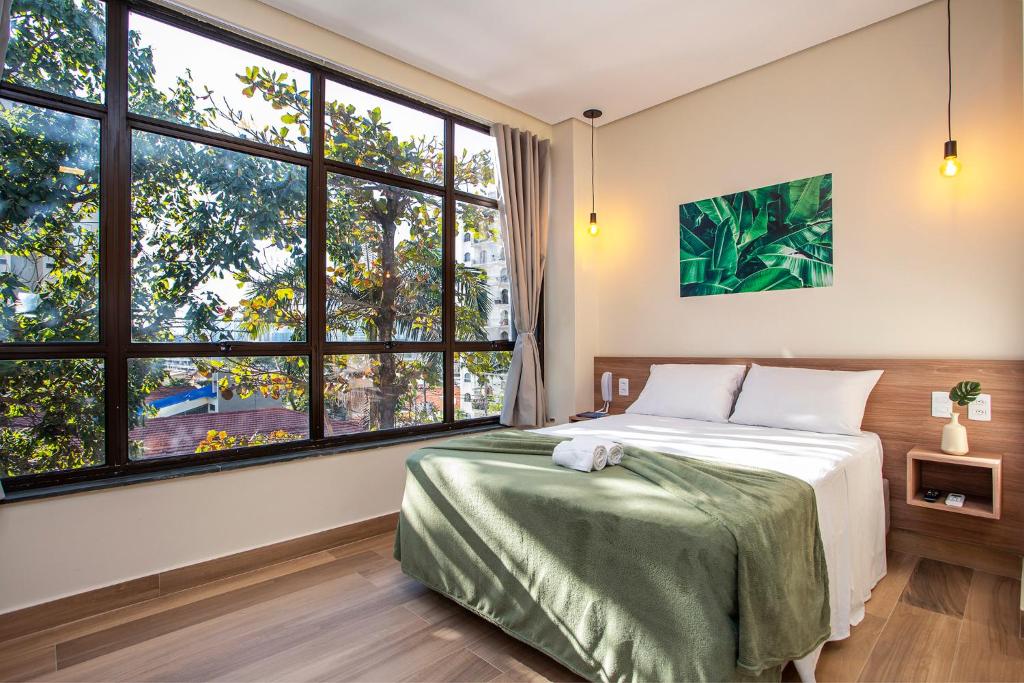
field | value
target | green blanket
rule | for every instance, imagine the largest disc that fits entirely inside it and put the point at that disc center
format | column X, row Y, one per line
column 663, row 568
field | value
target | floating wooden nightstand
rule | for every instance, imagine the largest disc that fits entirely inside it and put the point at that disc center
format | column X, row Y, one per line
column 977, row 475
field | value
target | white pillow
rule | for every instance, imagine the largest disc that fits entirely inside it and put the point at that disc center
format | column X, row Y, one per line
column 829, row 401
column 697, row 392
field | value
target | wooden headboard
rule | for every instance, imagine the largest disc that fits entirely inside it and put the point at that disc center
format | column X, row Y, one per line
column 899, row 411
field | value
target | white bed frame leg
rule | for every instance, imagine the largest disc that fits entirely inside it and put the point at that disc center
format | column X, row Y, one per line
column 805, row 665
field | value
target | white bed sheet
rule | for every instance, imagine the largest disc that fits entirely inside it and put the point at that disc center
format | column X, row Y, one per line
column 845, row 472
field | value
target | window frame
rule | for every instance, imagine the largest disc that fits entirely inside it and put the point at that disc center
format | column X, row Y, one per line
column 114, row 344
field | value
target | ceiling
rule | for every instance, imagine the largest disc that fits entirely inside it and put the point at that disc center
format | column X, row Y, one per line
column 554, row 58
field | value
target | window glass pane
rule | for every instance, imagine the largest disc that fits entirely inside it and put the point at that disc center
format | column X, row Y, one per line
column 482, row 308
column 51, row 415
column 218, row 244
column 180, row 406
column 58, row 46
column 182, row 77
column 384, row 272
column 367, row 130
column 370, row 392
column 480, row 383
column 49, row 225
column 476, row 162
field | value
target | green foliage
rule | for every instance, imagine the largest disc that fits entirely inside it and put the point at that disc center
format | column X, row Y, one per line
column 472, row 297
column 383, row 391
column 221, row 440
column 51, row 415
column 965, row 392
column 489, row 369
column 49, row 184
column 202, row 215
column 775, row 237
column 58, row 46
column 382, row 287
column 365, row 139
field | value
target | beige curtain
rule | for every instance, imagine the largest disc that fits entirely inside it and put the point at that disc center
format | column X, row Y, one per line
column 524, row 164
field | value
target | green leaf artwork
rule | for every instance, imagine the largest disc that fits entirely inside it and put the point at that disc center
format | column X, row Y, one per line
column 774, row 237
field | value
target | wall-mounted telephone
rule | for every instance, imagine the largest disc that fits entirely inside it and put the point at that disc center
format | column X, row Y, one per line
column 606, row 391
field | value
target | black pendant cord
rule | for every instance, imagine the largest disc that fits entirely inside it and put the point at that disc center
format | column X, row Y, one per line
column 592, row 114
column 593, row 193
column 949, row 67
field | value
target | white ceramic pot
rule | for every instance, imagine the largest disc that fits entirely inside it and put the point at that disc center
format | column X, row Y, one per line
column 954, row 436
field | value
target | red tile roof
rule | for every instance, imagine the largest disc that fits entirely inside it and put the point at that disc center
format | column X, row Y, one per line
column 180, row 434
column 435, row 397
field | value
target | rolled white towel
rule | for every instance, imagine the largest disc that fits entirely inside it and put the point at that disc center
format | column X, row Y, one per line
column 614, row 448
column 582, row 456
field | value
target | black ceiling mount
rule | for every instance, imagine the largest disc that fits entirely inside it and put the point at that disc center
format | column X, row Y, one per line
column 592, row 113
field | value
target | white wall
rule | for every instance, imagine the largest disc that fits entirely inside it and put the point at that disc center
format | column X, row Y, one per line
column 559, row 279
column 61, row 546
column 570, row 304
column 924, row 266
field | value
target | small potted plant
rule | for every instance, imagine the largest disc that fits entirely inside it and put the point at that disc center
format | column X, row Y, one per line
column 954, row 434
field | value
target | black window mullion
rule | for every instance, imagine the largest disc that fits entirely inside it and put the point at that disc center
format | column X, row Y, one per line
column 55, row 350
column 448, row 230
column 363, row 173
column 469, row 346
column 115, row 231
column 316, row 258
column 27, row 482
column 212, row 349
column 476, row 199
column 214, row 139
column 61, row 103
column 347, row 348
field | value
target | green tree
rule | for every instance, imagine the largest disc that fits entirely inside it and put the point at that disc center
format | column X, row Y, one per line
column 201, row 214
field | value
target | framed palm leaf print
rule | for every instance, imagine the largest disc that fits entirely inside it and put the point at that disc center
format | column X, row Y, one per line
column 770, row 238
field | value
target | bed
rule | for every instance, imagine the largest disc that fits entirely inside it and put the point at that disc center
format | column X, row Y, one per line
column 452, row 539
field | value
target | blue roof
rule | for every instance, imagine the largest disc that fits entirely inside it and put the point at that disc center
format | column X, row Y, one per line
column 206, row 391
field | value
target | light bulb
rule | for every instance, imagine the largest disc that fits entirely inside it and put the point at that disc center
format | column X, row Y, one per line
column 593, row 224
column 949, row 167
column 950, row 164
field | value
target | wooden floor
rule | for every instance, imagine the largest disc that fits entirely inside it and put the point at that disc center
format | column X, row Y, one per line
column 349, row 614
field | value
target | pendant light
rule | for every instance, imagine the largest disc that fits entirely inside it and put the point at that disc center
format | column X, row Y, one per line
column 592, row 114
column 950, row 164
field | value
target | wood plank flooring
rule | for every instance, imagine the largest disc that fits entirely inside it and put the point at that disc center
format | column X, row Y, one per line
column 348, row 613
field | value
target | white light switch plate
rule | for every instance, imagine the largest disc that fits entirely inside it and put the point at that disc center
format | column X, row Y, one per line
column 980, row 408
column 623, row 386
column 941, row 405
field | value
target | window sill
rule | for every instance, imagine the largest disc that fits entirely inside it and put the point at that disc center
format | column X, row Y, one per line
column 207, row 468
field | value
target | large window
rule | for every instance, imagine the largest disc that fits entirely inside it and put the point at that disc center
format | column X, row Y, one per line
column 213, row 251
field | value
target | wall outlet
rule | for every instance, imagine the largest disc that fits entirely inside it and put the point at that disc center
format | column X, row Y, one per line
column 980, row 408
column 623, row 386
column 941, row 405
